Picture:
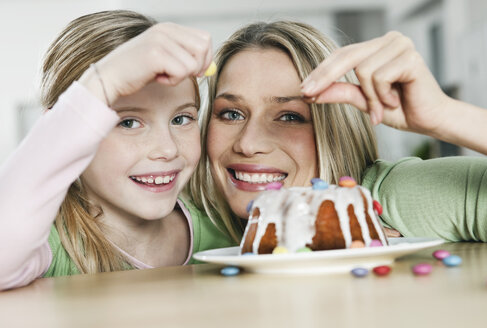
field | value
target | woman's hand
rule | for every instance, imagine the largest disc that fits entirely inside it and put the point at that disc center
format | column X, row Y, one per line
column 396, row 87
column 166, row 52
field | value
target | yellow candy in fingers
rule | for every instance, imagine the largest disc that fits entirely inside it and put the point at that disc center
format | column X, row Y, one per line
column 211, row 69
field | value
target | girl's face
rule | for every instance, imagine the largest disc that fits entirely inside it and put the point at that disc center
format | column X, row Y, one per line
column 260, row 129
column 145, row 161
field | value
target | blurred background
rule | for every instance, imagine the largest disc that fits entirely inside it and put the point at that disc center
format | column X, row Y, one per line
column 451, row 35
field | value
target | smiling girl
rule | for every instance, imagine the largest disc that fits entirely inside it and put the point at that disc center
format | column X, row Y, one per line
column 109, row 158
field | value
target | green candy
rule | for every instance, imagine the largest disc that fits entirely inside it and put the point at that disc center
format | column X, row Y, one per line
column 304, row 250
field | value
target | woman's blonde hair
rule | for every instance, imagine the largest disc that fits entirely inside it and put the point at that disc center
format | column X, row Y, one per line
column 85, row 41
column 345, row 139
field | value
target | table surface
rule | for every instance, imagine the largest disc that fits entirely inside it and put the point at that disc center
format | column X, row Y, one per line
column 198, row 296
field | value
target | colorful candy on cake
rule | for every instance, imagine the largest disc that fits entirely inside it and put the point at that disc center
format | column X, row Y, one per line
column 321, row 217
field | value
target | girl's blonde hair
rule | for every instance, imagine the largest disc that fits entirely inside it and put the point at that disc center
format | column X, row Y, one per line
column 85, row 41
column 344, row 136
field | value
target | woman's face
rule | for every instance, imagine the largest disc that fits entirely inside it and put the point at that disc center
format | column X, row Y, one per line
column 260, row 129
column 145, row 161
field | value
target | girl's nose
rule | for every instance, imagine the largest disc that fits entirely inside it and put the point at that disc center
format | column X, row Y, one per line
column 254, row 138
column 163, row 146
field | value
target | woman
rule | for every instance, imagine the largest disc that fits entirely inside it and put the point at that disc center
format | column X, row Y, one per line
column 258, row 129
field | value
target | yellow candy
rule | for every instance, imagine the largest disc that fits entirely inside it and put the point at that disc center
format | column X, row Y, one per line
column 211, row 69
column 280, row 250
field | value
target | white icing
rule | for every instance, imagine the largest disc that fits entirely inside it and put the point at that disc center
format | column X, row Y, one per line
column 294, row 210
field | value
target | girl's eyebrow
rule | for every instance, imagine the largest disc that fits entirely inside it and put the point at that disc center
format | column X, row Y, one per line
column 140, row 109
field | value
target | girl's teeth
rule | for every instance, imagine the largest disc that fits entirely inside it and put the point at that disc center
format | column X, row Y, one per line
column 157, row 180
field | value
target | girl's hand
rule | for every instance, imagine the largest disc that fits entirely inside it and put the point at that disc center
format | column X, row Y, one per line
column 166, row 52
column 396, row 88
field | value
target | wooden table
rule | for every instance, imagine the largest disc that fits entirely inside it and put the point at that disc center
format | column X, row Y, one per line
column 198, row 296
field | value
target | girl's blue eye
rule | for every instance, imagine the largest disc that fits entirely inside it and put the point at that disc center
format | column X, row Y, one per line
column 182, row 120
column 289, row 117
column 130, row 124
column 232, row 115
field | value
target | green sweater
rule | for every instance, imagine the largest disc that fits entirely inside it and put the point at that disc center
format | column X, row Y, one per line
column 205, row 236
column 444, row 197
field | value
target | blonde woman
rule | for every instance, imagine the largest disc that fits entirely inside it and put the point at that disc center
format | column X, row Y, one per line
column 258, row 128
column 108, row 159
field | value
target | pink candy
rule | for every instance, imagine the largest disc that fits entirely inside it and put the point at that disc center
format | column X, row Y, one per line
column 441, row 254
column 422, row 269
column 375, row 243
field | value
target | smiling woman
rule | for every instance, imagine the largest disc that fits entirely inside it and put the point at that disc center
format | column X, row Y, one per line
column 259, row 128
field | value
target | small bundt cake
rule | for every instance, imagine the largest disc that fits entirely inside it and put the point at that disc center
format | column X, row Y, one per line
column 315, row 218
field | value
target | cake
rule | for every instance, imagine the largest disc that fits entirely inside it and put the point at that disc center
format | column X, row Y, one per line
column 321, row 217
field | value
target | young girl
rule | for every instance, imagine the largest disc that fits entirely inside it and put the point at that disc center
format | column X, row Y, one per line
column 108, row 159
column 258, row 129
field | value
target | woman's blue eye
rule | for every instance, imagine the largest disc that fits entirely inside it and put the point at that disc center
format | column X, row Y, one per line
column 291, row 118
column 182, row 120
column 130, row 124
column 232, row 115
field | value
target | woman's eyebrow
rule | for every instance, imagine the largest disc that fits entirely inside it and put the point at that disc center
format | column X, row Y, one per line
column 229, row 97
column 282, row 100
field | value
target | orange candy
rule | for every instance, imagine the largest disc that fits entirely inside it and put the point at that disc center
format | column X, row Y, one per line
column 357, row 244
column 347, row 182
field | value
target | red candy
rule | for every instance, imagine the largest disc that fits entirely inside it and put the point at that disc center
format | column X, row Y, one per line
column 382, row 270
column 377, row 207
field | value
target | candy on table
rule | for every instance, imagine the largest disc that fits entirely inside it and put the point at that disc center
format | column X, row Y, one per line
column 273, row 186
column 230, row 271
column 211, row 70
column 280, row 250
column 452, row 261
column 375, row 243
column 382, row 270
column 441, row 254
column 357, row 244
column 377, row 207
column 347, row 182
column 319, row 184
column 422, row 269
column 360, row 272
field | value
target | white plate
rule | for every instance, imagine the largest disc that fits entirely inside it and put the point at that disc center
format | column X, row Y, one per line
column 332, row 261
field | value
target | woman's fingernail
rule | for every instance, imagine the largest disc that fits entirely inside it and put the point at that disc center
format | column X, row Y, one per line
column 308, row 87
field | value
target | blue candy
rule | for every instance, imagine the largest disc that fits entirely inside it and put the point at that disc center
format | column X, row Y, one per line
column 452, row 260
column 230, row 271
column 360, row 272
column 249, row 206
column 319, row 184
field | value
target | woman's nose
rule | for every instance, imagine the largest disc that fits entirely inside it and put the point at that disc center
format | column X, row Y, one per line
column 254, row 138
column 162, row 145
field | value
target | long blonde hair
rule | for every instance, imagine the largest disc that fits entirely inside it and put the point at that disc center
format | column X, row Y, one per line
column 345, row 139
column 85, row 41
